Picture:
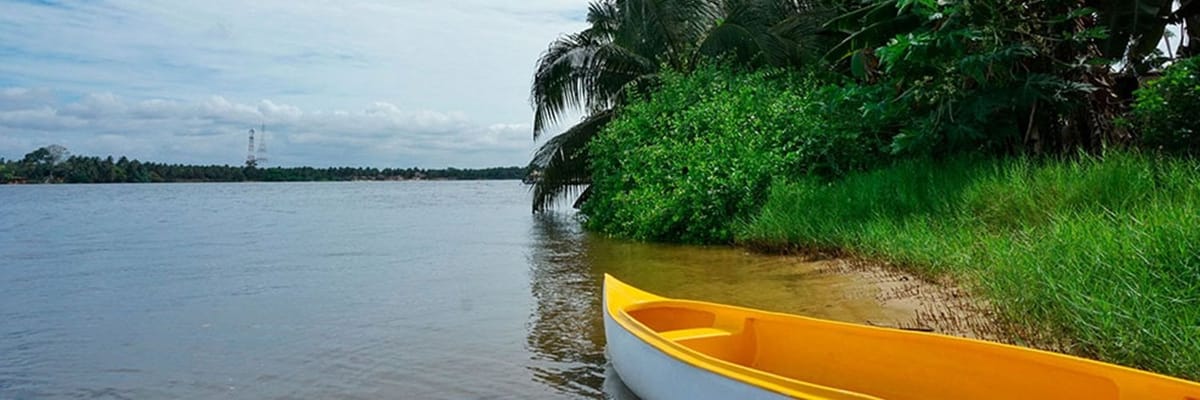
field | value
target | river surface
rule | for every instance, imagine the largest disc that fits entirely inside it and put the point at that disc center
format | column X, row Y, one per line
column 422, row 290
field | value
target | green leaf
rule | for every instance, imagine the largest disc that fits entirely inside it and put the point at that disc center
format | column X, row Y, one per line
column 858, row 65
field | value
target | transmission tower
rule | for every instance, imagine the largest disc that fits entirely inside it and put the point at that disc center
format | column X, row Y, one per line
column 262, row 146
column 250, row 160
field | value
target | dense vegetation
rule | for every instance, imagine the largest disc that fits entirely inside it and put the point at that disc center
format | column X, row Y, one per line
column 52, row 164
column 1043, row 151
column 993, row 76
column 701, row 152
column 1164, row 109
column 629, row 43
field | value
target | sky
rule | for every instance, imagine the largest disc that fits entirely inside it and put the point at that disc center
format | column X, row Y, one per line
column 383, row 83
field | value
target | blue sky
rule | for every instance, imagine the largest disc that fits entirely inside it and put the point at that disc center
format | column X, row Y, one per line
column 350, row 82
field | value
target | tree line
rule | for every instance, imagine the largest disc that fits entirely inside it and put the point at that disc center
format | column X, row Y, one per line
column 54, row 164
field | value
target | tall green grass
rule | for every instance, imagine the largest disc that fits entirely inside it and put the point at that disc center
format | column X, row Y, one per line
column 1103, row 252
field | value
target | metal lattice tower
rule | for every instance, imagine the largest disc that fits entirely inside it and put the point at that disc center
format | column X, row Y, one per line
column 250, row 160
column 262, row 146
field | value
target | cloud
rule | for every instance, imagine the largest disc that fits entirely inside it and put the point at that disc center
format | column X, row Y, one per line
column 22, row 98
column 39, row 119
column 95, row 106
column 412, row 76
column 214, row 130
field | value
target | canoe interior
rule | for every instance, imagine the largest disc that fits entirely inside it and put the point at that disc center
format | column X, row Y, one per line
column 797, row 352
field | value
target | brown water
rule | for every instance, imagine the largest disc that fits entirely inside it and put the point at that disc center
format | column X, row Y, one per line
column 568, row 268
column 345, row 290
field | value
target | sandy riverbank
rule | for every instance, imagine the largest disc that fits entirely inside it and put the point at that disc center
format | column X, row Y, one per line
column 878, row 294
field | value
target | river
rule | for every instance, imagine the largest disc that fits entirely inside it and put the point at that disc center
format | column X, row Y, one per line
column 423, row 290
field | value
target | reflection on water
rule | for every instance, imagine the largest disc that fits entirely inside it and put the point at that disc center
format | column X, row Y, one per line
column 429, row 290
column 566, row 333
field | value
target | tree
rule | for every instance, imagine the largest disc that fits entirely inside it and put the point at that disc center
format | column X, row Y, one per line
column 57, row 154
column 628, row 42
column 1046, row 76
column 40, row 164
column 1188, row 14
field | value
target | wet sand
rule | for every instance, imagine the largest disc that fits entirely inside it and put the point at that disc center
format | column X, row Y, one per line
column 841, row 289
column 896, row 299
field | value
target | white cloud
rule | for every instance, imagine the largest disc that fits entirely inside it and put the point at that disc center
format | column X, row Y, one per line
column 40, row 119
column 22, row 98
column 95, row 106
column 279, row 112
column 429, row 80
column 157, row 109
column 214, row 131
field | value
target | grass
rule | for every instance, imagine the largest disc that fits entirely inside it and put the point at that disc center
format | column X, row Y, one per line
column 1102, row 252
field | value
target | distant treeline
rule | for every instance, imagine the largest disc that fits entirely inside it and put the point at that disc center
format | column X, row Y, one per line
column 53, row 164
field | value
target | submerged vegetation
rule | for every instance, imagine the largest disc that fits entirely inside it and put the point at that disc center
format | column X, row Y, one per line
column 1042, row 150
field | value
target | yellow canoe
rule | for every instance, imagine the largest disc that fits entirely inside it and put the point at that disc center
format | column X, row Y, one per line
column 676, row 349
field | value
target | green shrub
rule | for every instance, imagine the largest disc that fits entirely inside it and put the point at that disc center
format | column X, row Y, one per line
column 1163, row 109
column 700, row 153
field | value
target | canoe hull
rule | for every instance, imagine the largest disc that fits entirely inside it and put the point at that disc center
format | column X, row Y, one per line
column 679, row 349
column 653, row 375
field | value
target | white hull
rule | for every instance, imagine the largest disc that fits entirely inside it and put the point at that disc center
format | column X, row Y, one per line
column 653, row 375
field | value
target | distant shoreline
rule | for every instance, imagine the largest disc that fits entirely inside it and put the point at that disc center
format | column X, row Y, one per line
column 53, row 164
column 18, row 183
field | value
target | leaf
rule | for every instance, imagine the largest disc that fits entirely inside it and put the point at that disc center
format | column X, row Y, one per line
column 564, row 163
column 858, row 65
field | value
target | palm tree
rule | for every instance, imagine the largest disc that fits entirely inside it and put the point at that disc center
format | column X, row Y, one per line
column 627, row 44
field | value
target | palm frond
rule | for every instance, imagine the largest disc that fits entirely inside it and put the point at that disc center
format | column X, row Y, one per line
column 612, row 69
column 734, row 43
column 559, row 82
column 666, row 30
column 564, row 163
column 605, row 18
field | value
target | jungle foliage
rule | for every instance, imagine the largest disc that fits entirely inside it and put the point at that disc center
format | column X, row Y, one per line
column 990, row 76
column 628, row 43
column 1163, row 111
column 701, row 152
